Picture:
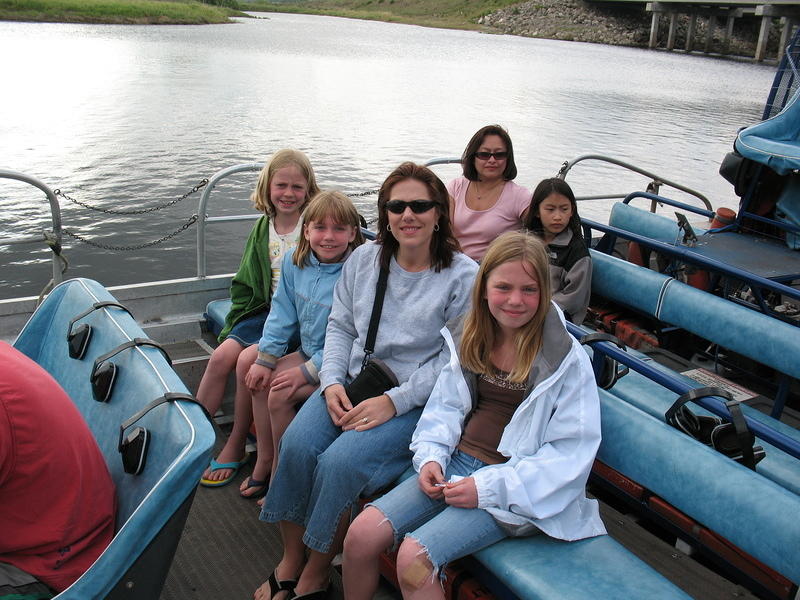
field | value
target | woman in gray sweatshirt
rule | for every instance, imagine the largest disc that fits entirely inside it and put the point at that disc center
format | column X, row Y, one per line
column 334, row 452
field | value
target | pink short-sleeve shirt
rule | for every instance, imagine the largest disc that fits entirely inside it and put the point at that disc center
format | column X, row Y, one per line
column 476, row 229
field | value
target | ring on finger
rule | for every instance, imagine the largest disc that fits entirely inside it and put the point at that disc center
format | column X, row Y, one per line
column 365, row 420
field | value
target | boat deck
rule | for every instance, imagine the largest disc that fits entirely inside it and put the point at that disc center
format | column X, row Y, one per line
column 226, row 552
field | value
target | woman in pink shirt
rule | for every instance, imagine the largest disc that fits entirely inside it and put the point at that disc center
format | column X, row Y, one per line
column 485, row 202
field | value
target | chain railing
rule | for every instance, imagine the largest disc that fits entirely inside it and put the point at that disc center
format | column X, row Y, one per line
column 53, row 238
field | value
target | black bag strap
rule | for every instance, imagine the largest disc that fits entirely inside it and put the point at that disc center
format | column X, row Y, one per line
column 374, row 320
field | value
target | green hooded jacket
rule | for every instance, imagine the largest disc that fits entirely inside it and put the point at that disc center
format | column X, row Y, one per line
column 251, row 286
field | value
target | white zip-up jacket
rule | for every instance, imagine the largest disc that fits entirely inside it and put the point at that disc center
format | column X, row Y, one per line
column 551, row 440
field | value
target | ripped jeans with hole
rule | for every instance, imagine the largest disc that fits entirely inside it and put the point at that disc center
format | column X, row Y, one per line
column 445, row 532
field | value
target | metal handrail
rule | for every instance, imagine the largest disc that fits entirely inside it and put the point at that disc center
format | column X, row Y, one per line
column 656, row 180
column 55, row 217
column 203, row 218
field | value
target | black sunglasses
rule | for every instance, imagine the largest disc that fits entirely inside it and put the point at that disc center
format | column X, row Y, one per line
column 487, row 155
column 398, row 207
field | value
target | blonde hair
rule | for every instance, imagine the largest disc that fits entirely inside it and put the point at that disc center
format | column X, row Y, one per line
column 481, row 328
column 338, row 207
column 282, row 158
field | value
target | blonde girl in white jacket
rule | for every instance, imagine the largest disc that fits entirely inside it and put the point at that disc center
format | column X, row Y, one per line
column 505, row 443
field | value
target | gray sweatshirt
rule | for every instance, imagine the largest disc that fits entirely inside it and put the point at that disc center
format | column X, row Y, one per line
column 416, row 306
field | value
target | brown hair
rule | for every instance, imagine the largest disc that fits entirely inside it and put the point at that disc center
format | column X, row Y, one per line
column 282, row 158
column 331, row 204
column 468, row 158
column 443, row 243
column 480, row 326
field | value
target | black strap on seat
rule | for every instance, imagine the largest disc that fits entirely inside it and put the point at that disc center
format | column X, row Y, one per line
column 78, row 340
column 135, row 446
column 733, row 439
column 104, row 373
column 694, row 394
column 610, row 373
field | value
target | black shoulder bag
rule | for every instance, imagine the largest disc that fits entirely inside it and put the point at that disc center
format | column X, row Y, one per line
column 375, row 377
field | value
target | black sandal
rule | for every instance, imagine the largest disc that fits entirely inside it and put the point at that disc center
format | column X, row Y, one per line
column 324, row 594
column 284, row 585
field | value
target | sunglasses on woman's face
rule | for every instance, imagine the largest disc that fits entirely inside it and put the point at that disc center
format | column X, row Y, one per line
column 487, row 155
column 398, row 207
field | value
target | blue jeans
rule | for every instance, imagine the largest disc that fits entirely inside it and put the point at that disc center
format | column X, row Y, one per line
column 445, row 532
column 322, row 470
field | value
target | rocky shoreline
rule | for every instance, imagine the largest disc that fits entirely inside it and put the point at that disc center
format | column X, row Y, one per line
column 619, row 25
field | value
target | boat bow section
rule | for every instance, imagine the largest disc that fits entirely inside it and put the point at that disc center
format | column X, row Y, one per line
column 152, row 505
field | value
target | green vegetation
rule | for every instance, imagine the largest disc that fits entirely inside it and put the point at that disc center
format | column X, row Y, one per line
column 454, row 14
column 114, row 11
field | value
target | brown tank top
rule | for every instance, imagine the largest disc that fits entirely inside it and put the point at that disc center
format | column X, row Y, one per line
column 498, row 398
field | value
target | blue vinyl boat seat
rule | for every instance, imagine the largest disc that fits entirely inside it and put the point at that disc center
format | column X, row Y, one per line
column 774, row 142
column 153, row 505
column 215, row 314
column 747, row 332
column 762, row 338
column 749, row 511
column 647, row 224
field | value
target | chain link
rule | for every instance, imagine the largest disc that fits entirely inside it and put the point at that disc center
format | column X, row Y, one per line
column 140, row 211
column 192, row 220
column 362, row 194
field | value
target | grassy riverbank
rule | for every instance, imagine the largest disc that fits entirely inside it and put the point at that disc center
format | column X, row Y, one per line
column 114, row 11
column 453, row 14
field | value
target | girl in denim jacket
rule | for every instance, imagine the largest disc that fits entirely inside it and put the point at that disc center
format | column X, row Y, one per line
column 282, row 371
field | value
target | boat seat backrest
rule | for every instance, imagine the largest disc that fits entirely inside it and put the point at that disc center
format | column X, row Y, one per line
column 645, row 223
column 749, row 510
column 181, row 437
column 747, row 332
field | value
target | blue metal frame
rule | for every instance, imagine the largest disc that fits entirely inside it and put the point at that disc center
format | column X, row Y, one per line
column 673, row 383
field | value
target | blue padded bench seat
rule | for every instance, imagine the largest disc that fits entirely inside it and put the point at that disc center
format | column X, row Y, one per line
column 153, row 505
column 654, row 399
column 215, row 314
column 748, row 510
column 747, row 332
column 540, row 567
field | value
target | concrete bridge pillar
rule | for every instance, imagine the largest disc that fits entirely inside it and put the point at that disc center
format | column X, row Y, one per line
column 712, row 23
column 653, row 31
column 726, row 40
column 690, row 32
column 673, row 30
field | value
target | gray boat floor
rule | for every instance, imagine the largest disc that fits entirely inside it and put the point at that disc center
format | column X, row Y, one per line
column 226, row 552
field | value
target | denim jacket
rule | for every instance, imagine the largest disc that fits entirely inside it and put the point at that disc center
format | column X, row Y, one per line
column 550, row 441
column 300, row 307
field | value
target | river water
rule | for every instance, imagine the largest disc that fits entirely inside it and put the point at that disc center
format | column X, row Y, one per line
column 124, row 117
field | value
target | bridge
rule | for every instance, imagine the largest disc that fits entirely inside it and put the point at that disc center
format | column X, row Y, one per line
column 717, row 12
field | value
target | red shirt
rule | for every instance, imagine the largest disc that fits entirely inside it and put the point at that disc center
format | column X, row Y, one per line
column 57, row 500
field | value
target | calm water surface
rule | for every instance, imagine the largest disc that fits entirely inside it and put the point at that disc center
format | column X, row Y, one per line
column 134, row 116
